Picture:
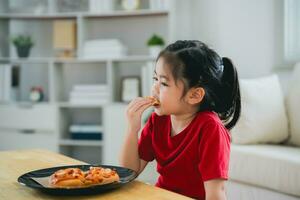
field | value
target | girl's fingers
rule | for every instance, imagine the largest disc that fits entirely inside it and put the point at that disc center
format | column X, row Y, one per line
column 137, row 103
column 133, row 102
column 139, row 111
column 142, row 107
column 132, row 109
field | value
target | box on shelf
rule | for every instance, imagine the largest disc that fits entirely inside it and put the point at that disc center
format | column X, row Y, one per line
column 85, row 132
column 64, row 38
column 104, row 49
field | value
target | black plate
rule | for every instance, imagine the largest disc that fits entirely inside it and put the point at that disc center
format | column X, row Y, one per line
column 126, row 175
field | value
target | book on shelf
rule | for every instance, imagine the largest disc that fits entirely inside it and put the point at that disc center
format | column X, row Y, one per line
column 88, row 102
column 86, row 128
column 86, row 131
column 91, row 87
column 5, row 82
column 89, row 94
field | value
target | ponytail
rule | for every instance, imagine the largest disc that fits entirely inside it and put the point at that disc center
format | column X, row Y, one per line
column 230, row 108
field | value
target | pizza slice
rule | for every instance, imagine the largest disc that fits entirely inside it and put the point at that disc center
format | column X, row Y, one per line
column 70, row 177
column 155, row 101
column 100, row 176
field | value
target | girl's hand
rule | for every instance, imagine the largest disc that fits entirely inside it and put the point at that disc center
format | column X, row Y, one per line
column 134, row 112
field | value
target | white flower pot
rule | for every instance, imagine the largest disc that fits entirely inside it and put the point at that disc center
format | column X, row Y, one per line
column 155, row 50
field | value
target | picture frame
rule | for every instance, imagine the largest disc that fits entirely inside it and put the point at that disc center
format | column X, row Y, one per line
column 130, row 88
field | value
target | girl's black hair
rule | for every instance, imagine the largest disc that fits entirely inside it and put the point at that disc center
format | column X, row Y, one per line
column 197, row 65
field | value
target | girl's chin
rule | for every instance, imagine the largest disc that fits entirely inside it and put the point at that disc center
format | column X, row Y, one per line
column 158, row 111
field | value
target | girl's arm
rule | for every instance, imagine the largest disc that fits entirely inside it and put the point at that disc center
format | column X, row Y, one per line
column 129, row 154
column 215, row 189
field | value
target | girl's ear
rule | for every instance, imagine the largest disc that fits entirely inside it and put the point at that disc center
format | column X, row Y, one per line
column 195, row 95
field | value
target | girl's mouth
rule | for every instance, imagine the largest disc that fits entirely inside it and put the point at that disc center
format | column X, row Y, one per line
column 155, row 102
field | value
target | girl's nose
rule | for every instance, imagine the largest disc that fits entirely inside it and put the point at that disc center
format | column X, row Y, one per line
column 155, row 89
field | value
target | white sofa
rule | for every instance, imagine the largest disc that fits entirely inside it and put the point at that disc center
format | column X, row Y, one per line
column 265, row 156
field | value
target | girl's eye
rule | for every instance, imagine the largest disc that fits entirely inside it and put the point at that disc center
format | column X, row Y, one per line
column 154, row 78
column 161, row 83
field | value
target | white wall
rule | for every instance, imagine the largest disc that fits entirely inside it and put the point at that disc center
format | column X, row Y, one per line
column 248, row 31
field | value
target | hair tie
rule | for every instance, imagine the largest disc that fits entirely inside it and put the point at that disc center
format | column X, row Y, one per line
column 221, row 68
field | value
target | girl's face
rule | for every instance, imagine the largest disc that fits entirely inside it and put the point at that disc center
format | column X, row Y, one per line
column 167, row 91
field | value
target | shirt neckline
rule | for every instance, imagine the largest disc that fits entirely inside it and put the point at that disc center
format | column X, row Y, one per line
column 181, row 132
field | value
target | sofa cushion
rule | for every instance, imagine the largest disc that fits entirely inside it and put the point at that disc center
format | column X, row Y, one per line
column 271, row 166
column 293, row 107
column 263, row 116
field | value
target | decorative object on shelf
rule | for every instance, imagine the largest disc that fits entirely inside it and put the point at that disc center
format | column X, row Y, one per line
column 130, row 88
column 89, row 94
column 159, row 4
column 130, row 4
column 104, row 49
column 155, row 44
column 23, row 45
column 15, row 83
column 100, row 6
column 72, row 5
column 36, row 94
column 64, row 38
column 40, row 8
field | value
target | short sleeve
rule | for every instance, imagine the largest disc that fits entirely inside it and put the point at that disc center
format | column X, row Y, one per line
column 214, row 152
column 145, row 147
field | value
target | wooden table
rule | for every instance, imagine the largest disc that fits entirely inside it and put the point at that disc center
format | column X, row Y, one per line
column 15, row 163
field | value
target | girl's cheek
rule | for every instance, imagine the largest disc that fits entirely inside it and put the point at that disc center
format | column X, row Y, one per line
column 162, row 98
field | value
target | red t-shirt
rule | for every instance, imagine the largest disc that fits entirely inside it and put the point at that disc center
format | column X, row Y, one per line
column 184, row 161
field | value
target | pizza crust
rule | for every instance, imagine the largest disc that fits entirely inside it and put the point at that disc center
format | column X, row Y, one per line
column 155, row 101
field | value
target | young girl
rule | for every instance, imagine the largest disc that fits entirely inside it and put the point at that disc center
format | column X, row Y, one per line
column 198, row 93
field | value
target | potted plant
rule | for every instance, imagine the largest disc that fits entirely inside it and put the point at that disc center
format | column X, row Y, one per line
column 155, row 44
column 23, row 45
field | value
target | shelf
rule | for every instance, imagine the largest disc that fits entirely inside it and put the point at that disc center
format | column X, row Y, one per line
column 131, row 58
column 70, row 105
column 137, row 58
column 58, row 76
column 113, row 14
column 70, row 142
column 30, row 60
column 38, row 16
column 25, row 103
column 122, row 13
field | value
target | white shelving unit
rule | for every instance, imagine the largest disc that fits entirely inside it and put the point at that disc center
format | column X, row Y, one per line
column 57, row 76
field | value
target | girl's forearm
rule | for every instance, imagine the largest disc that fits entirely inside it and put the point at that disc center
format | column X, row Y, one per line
column 129, row 157
column 218, row 195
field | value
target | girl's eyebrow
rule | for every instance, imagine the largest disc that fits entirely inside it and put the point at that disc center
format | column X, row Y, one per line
column 162, row 76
